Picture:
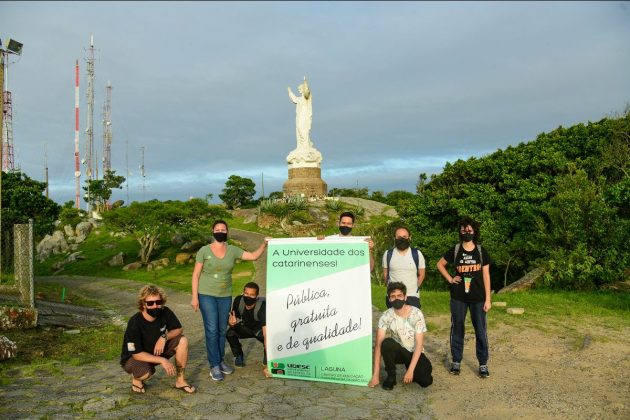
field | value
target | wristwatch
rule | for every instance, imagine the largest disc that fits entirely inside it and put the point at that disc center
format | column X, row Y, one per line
column 163, row 335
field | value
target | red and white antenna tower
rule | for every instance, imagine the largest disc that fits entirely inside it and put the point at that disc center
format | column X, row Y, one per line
column 8, row 163
column 77, row 169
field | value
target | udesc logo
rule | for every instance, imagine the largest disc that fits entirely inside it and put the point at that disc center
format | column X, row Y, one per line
column 277, row 368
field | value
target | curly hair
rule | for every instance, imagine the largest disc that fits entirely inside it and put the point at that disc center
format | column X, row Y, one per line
column 396, row 286
column 150, row 290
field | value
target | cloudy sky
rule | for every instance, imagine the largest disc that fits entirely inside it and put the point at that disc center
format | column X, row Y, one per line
column 399, row 88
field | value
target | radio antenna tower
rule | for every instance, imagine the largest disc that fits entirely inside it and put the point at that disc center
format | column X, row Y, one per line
column 89, row 144
column 142, row 173
column 77, row 169
column 107, row 131
column 8, row 162
column 46, row 168
column 127, row 163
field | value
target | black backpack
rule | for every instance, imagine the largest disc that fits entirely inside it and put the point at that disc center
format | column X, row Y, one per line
column 259, row 302
column 414, row 254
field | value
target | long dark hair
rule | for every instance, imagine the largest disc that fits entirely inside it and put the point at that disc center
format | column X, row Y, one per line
column 465, row 221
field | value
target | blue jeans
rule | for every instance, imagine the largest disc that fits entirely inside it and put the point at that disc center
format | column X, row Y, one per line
column 215, row 312
column 458, row 319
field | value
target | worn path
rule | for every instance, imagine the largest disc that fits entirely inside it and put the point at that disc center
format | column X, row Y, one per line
column 103, row 390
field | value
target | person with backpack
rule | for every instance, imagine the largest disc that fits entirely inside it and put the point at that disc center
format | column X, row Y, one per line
column 406, row 265
column 247, row 320
column 470, row 290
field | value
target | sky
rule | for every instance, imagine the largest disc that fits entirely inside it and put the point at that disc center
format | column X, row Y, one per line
column 398, row 88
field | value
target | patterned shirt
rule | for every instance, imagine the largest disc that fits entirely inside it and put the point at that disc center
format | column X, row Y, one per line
column 403, row 330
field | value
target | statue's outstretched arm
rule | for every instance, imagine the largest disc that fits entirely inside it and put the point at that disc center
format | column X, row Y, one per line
column 293, row 98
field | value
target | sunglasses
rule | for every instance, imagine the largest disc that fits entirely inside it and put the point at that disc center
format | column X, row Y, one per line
column 153, row 302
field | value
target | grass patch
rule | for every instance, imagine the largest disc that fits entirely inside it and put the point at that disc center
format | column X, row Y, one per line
column 41, row 349
column 53, row 292
column 547, row 311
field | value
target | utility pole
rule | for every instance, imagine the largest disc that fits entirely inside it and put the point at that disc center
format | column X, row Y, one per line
column 127, row 163
column 77, row 168
column 46, row 169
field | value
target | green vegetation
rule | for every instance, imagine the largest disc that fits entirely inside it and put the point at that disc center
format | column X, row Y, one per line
column 238, row 192
column 560, row 202
column 100, row 246
column 149, row 221
column 98, row 191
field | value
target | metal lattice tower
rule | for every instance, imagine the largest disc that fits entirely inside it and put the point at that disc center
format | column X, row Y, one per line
column 8, row 162
column 107, row 131
column 89, row 143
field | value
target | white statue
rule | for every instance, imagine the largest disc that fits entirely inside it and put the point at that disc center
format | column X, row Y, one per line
column 305, row 152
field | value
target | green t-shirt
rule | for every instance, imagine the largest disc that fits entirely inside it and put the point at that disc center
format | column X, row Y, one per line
column 216, row 274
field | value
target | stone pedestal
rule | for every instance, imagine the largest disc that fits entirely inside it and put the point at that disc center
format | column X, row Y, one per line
column 306, row 182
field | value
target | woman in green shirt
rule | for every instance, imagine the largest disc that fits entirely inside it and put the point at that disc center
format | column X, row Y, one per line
column 212, row 292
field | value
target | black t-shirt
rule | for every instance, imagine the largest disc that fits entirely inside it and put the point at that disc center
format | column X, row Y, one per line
column 468, row 267
column 141, row 335
column 247, row 316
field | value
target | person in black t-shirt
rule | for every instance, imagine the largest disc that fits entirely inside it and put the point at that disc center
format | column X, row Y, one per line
column 470, row 290
column 152, row 337
column 247, row 320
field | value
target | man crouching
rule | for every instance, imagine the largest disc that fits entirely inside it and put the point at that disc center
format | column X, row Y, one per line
column 152, row 337
column 406, row 327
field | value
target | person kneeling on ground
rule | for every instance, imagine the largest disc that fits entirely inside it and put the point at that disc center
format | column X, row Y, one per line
column 247, row 320
column 406, row 327
column 152, row 337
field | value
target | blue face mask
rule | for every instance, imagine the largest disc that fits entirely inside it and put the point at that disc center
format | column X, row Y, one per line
column 345, row 230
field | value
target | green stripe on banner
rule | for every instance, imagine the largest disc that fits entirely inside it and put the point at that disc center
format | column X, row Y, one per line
column 346, row 363
column 291, row 264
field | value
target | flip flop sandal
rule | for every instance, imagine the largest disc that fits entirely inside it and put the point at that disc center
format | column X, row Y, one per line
column 137, row 389
column 188, row 389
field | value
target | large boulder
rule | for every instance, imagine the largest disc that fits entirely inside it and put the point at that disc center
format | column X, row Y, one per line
column 117, row 203
column 178, row 239
column 70, row 258
column 79, row 238
column 52, row 244
column 192, row 246
column 158, row 264
column 84, row 228
column 133, row 266
column 67, row 229
column 182, row 258
column 117, row 260
column 8, row 348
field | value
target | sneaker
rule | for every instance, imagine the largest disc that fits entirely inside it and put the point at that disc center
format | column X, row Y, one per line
column 483, row 371
column 215, row 374
column 225, row 368
column 238, row 361
column 389, row 383
column 455, row 368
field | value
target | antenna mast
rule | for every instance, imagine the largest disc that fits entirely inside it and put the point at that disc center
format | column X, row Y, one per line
column 46, row 168
column 127, row 162
column 77, row 170
column 107, row 131
column 89, row 146
column 8, row 162
column 144, row 186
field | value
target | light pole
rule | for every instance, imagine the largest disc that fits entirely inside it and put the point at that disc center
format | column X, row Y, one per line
column 12, row 47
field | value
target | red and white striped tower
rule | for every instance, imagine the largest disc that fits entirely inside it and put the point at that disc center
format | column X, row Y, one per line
column 77, row 170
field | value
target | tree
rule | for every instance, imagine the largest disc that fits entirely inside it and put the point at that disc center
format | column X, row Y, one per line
column 148, row 221
column 100, row 190
column 238, row 192
column 23, row 199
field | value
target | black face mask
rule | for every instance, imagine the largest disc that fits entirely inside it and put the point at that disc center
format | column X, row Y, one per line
column 345, row 230
column 220, row 236
column 402, row 243
column 398, row 303
column 249, row 300
column 466, row 237
column 155, row 312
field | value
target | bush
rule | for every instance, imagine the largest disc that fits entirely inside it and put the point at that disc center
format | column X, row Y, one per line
column 71, row 216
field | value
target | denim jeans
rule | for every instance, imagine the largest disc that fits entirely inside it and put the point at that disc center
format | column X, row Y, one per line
column 458, row 319
column 215, row 312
